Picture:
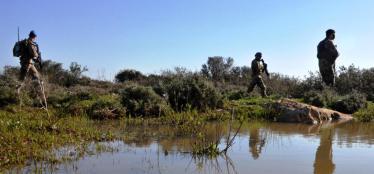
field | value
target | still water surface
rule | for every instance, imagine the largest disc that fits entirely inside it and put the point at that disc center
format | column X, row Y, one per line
column 259, row 148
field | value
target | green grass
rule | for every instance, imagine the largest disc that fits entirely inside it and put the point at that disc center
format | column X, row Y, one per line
column 365, row 114
column 28, row 133
column 251, row 108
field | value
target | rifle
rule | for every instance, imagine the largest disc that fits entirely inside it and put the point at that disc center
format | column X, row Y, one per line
column 39, row 58
column 265, row 67
column 18, row 33
column 17, row 50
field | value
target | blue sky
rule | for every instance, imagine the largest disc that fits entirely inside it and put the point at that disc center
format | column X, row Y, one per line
column 152, row 35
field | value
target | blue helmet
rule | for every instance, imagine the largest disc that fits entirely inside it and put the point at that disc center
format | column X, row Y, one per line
column 32, row 34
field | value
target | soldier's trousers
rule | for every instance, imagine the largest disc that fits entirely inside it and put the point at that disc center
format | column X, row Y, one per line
column 327, row 71
column 28, row 68
column 257, row 80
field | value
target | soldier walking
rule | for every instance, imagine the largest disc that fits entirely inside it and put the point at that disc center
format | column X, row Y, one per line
column 258, row 67
column 327, row 54
column 29, row 54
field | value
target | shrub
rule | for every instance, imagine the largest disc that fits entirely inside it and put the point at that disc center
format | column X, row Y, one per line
column 350, row 103
column 7, row 96
column 323, row 98
column 143, row 101
column 101, row 107
column 282, row 85
column 80, row 108
column 129, row 75
column 54, row 73
column 160, row 89
column 314, row 98
column 8, row 93
column 60, row 98
column 365, row 114
column 75, row 103
column 236, row 95
column 192, row 93
column 107, row 107
column 349, row 78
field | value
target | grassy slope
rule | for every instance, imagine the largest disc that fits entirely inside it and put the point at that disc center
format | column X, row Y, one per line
column 30, row 134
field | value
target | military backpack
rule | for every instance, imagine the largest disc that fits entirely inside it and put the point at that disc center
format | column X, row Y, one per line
column 19, row 48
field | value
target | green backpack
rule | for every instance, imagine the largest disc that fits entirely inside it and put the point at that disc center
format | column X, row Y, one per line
column 19, row 48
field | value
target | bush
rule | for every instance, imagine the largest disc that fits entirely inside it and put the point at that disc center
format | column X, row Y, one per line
column 314, row 98
column 365, row 114
column 160, row 89
column 80, row 108
column 8, row 93
column 7, row 96
column 107, row 107
column 282, row 85
column 236, row 95
column 129, row 75
column 350, row 103
column 60, row 98
column 192, row 93
column 323, row 98
column 143, row 101
column 101, row 107
column 349, row 79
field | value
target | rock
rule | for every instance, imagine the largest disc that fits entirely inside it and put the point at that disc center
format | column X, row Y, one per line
column 291, row 111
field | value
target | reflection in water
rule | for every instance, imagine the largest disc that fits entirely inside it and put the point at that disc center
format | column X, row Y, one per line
column 256, row 142
column 220, row 164
column 161, row 149
column 323, row 163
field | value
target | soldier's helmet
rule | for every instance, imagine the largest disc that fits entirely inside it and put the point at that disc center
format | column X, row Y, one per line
column 32, row 34
column 329, row 32
column 258, row 54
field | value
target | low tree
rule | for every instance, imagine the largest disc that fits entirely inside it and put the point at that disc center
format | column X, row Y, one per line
column 129, row 75
column 217, row 67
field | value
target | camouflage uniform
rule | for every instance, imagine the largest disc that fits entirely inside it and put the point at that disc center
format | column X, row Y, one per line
column 256, row 143
column 327, row 54
column 31, row 52
column 258, row 68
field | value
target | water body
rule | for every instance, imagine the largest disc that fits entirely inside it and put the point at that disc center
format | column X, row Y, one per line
column 258, row 148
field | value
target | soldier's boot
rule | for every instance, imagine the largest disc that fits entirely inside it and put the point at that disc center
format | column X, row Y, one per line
column 39, row 89
column 250, row 88
column 263, row 93
column 263, row 89
column 42, row 94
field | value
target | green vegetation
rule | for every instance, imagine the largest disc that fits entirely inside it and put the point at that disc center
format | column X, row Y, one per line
column 143, row 101
column 192, row 93
column 180, row 98
column 28, row 133
column 129, row 75
column 365, row 114
column 349, row 103
column 252, row 108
